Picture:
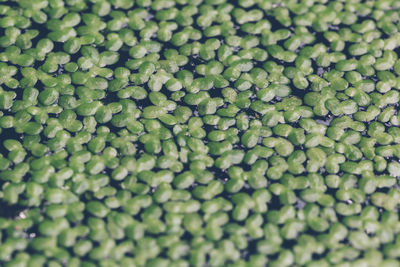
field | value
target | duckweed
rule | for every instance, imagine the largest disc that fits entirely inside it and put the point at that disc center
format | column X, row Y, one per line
column 199, row 133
